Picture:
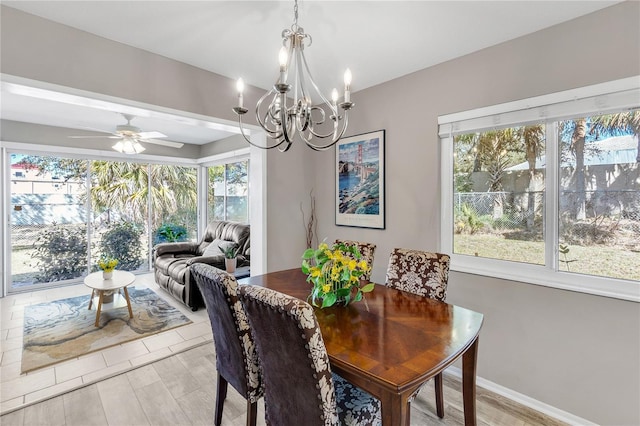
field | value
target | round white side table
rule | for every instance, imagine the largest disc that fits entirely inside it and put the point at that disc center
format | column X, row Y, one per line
column 100, row 286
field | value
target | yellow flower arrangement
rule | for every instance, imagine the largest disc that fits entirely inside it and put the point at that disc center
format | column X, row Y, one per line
column 335, row 273
column 107, row 264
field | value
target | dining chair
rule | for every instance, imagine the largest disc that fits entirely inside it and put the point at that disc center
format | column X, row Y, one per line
column 300, row 388
column 425, row 274
column 367, row 250
column 236, row 356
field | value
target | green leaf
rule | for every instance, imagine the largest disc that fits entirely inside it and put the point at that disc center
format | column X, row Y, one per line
column 329, row 300
column 358, row 296
column 308, row 254
column 305, row 267
column 368, row 288
column 343, row 292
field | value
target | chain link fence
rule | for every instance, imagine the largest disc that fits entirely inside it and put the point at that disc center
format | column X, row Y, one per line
column 589, row 217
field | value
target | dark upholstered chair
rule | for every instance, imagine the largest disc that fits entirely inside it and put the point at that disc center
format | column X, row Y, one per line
column 367, row 250
column 425, row 274
column 236, row 357
column 299, row 386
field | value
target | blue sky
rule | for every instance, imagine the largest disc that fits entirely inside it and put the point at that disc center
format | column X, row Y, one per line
column 347, row 152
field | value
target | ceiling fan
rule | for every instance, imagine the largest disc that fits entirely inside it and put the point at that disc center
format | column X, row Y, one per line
column 130, row 137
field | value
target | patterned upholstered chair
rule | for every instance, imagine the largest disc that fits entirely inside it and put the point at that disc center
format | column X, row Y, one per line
column 367, row 250
column 236, row 356
column 300, row 388
column 425, row 274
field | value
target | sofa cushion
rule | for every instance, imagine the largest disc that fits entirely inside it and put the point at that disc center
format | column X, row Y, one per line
column 173, row 266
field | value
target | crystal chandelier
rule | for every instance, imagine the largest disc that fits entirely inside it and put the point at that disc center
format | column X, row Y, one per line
column 290, row 111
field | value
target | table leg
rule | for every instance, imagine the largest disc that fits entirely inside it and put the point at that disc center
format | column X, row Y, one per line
column 396, row 410
column 91, row 299
column 100, row 294
column 469, row 359
column 126, row 296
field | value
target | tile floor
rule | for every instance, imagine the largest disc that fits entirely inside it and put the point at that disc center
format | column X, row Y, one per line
column 17, row 390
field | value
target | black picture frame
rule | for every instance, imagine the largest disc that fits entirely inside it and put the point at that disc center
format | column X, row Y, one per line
column 360, row 181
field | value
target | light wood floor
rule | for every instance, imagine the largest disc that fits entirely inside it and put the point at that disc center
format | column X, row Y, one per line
column 180, row 390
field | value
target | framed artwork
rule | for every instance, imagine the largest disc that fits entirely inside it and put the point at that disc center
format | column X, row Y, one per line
column 360, row 200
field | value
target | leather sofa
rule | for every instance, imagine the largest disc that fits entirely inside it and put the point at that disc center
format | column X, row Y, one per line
column 172, row 261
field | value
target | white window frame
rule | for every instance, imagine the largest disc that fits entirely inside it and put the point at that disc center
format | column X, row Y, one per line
column 598, row 99
column 224, row 159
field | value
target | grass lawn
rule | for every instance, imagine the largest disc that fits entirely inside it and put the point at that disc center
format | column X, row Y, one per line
column 601, row 260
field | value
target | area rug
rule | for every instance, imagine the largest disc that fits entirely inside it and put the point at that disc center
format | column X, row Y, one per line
column 64, row 329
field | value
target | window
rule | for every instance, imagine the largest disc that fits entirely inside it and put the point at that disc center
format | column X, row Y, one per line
column 59, row 229
column 228, row 192
column 547, row 190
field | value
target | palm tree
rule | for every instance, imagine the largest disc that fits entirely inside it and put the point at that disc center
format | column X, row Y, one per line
column 128, row 187
column 533, row 138
column 577, row 148
column 622, row 122
column 495, row 152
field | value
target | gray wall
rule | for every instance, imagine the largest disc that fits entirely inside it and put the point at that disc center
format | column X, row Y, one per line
column 576, row 352
column 221, row 146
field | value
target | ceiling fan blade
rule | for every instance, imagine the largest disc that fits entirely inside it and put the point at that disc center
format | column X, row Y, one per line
column 151, row 135
column 171, row 144
column 91, row 137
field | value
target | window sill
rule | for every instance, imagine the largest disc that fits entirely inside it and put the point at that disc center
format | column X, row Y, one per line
column 540, row 275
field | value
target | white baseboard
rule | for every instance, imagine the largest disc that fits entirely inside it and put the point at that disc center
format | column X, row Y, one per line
column 525, row 400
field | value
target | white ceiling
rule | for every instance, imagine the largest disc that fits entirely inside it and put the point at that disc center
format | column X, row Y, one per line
column 377, row 40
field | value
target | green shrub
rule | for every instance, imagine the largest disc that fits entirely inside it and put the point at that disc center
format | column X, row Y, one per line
column 170, row 233
column 467, row 220
column 60, row 252
column 122, row 242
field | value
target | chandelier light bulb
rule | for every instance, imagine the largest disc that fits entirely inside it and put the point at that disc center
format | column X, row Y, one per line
column 282, row 58
column 334, row 96
column 347, row 79
column 240, row 87
column 347, row 85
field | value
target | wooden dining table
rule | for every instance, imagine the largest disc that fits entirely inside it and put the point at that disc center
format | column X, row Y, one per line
column 392, row 342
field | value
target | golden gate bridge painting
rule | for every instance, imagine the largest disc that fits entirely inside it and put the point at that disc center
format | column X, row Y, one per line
column 360, row 180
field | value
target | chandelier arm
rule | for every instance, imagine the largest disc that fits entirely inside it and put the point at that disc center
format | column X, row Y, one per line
column 262, row 123
column 288, row 125
column 327, row 135
column 315, row 86
column 254, row 144
column 335, row 140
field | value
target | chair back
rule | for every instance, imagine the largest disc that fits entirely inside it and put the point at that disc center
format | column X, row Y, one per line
column 367, row 250
column 236, row 356
column 419, row 272
column 299, row 389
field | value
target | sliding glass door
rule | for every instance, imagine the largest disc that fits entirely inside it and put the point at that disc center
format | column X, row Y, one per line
column 48, row 220
column 68, row 213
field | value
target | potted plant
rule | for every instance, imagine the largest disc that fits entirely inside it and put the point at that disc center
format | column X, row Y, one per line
column 335, row 273
column 107, row 264
column 230, row 257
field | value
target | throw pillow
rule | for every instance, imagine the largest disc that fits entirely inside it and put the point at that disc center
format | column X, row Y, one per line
column 214, row 249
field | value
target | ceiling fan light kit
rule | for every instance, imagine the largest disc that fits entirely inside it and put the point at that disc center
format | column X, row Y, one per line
column 129, row 146
column 131, row 138
column 291, row 112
